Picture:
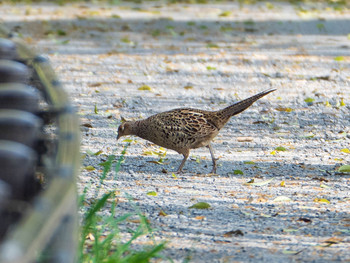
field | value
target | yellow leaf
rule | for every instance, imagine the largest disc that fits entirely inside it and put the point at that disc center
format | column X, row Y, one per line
column 147, row 153
column 273, row 153
column 89, row 168
column 200, row 205
column 162, row 213
column 145, row 87
column 327, row 104
column 286, row 109
column 321, row 200
column 211, row 68
column 225, row 13
column 339, row 58
column 152, row 193
column 269, row 5
column 342, row 103
column 283, row 184
column 345, row 150
column 98, row 152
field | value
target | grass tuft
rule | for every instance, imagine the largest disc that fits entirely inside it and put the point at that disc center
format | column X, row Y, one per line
column 101, row 239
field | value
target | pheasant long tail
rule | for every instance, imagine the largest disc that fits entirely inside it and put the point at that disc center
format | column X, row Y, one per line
column 242, row 105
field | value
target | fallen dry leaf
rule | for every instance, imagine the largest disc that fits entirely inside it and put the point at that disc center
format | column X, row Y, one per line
column 231, row 233
column 245, row 139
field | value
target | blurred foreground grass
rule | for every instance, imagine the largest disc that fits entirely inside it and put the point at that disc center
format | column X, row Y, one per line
column 102, row 239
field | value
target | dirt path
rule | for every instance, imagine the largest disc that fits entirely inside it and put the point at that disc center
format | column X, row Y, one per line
column 208, row 56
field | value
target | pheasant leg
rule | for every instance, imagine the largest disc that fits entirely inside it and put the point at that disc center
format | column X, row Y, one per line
column 183, row 162
column 211, row 150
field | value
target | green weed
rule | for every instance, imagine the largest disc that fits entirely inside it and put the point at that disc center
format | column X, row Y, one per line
column 101, row 239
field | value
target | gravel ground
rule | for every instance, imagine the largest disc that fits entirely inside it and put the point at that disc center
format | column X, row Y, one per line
column 208, row 56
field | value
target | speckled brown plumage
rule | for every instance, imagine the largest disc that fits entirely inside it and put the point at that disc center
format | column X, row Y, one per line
column 185, row 128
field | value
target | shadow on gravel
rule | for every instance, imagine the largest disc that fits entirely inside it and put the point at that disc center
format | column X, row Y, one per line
column 118, row 34
column 243, row 221
column 286, row 169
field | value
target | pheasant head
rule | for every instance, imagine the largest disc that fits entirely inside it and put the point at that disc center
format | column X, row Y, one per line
column 125, row 129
